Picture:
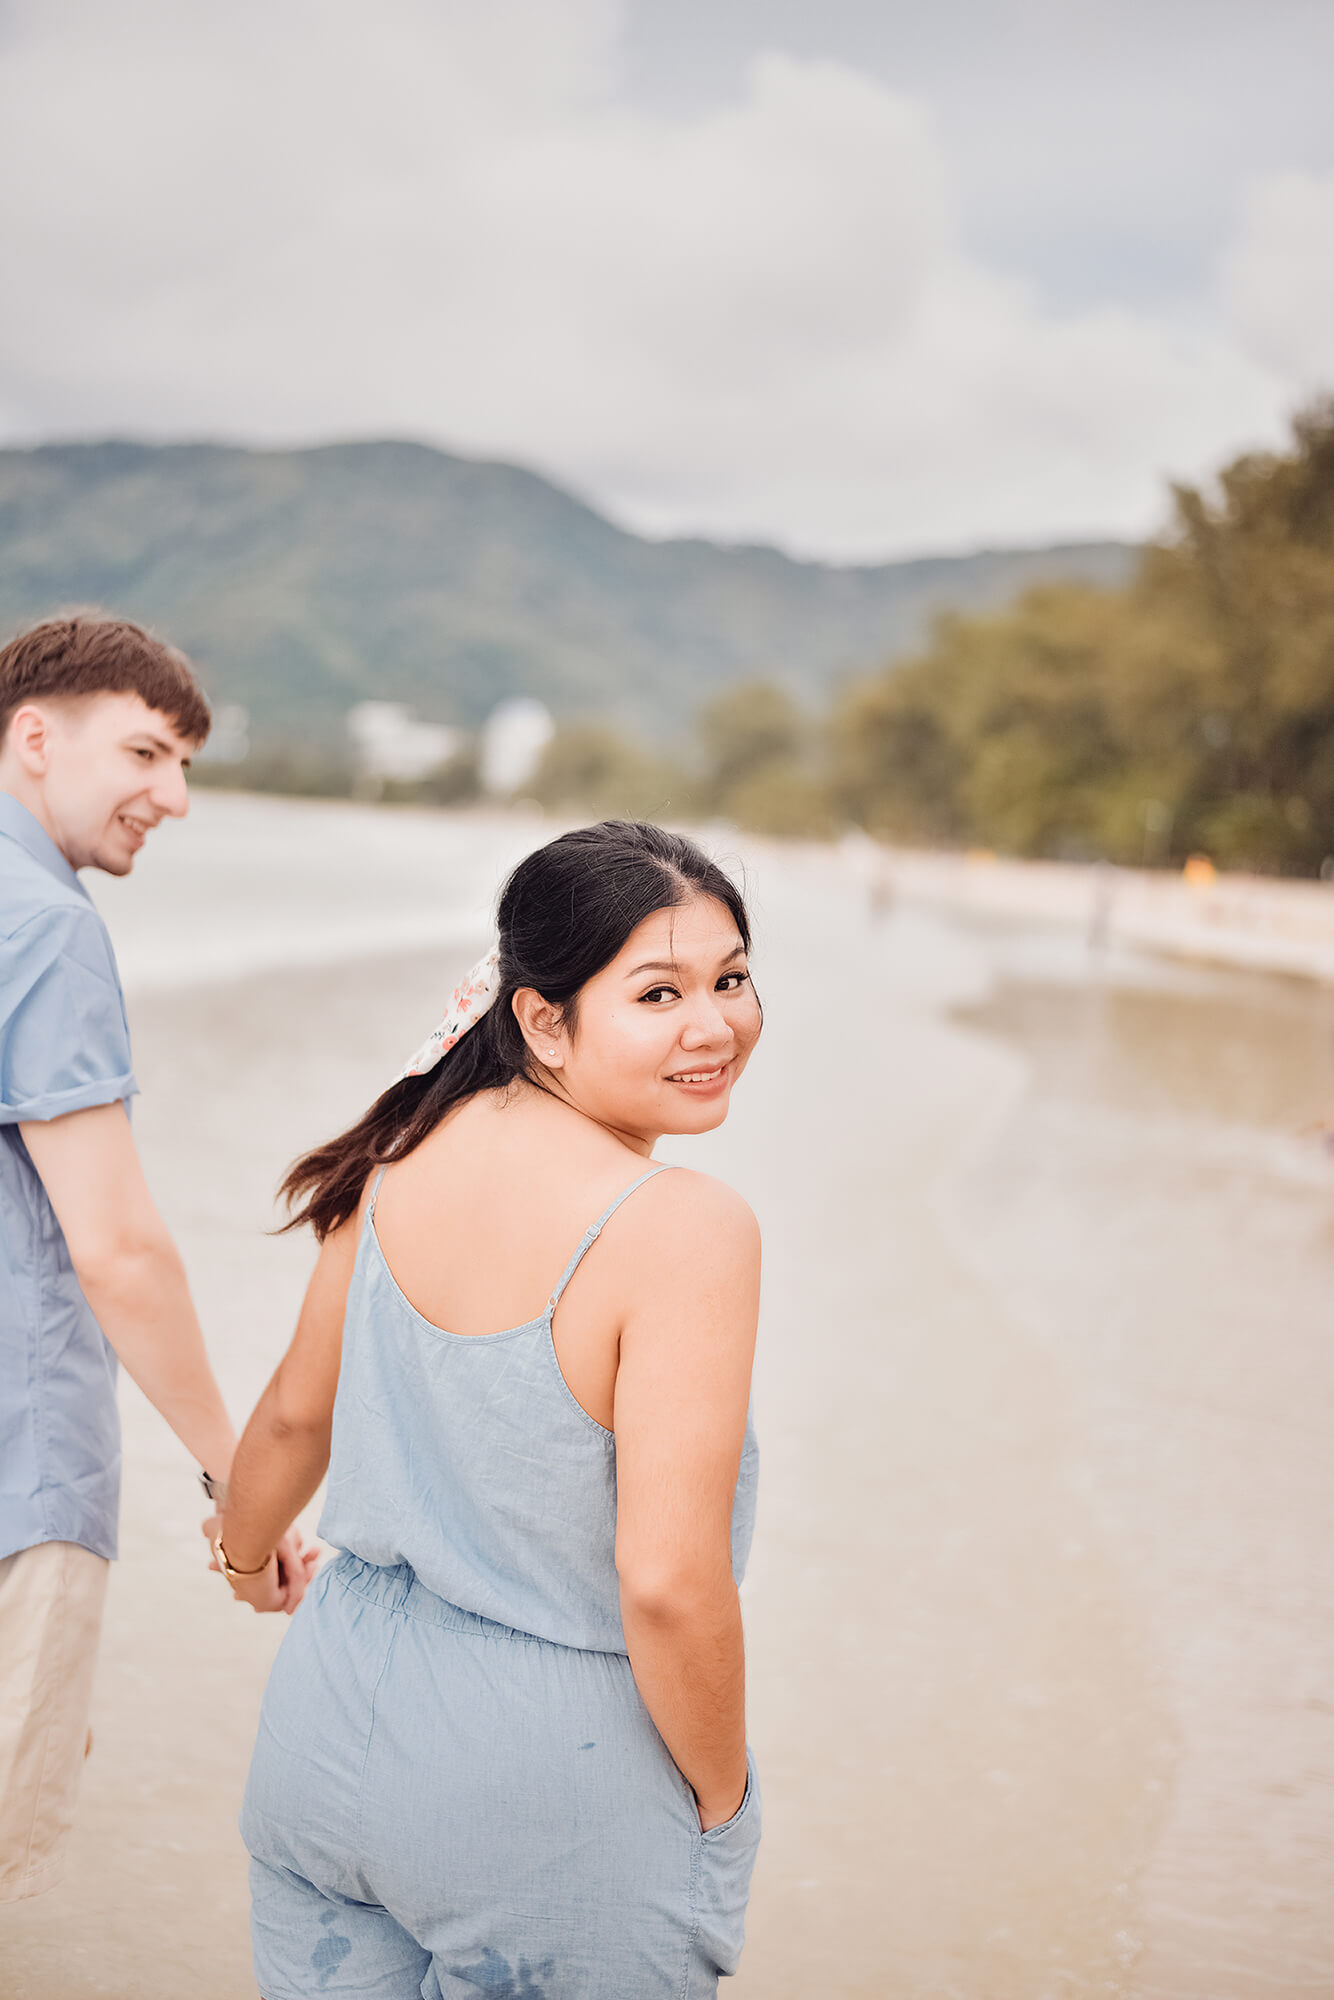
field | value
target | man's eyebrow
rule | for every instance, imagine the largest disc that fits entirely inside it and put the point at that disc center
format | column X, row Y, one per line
column 157, row 742
column 673, row 965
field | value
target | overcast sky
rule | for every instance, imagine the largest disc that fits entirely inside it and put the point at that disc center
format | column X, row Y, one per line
column 858, row 278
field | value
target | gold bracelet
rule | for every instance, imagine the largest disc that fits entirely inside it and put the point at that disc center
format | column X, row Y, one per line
column 229, row 1569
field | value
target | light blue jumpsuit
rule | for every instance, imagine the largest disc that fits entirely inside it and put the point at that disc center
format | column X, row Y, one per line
column 457, row 1790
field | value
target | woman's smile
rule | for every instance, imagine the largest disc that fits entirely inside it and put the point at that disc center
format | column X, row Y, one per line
column 704, row 1082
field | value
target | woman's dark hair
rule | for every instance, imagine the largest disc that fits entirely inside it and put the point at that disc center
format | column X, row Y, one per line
column 564, row 913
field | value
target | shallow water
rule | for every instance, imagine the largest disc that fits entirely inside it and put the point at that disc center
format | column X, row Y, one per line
column 1040, row 1662
column 1160, row 1210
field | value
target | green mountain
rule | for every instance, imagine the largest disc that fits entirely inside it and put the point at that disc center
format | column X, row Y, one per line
column 303, row 581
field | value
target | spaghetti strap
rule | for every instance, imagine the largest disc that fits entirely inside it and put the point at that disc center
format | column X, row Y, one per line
column 591, row 1234
column 375, row 1194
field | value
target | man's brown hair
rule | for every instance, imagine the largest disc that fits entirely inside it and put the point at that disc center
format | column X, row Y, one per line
column 90, row 652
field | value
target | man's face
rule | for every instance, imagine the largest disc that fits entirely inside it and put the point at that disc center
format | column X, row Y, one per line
column 114, row 768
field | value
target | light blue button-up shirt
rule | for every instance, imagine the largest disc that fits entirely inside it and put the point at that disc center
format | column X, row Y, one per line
column 64, row 1045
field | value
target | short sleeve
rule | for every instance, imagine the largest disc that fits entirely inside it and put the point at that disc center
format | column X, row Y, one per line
column 64, row 1043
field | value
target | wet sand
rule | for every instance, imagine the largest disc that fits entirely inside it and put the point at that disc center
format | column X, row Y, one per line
column 1039, row 1681
column 1165, row 1127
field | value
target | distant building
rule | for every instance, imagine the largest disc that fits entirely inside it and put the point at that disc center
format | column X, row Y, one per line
column 391, row 743
column 513, row 738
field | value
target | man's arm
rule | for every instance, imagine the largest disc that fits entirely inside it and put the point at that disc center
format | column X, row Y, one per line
column 131, row 1272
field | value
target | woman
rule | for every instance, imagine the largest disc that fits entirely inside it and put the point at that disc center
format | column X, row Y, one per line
column 503, row 1747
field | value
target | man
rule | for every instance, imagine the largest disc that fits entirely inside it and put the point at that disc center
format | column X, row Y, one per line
column 98, row 723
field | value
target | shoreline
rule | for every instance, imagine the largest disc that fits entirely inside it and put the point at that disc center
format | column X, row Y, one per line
column 1252, row 923
column 355, row 880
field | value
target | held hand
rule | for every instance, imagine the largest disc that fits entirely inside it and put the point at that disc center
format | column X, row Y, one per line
column 265, row 1592
column 296, row 1566
column 281, row 1584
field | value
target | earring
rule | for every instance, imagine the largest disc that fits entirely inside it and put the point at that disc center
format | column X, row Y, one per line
column 551, row 1052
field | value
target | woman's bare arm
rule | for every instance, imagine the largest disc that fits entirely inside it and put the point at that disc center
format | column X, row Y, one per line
column 682, row 1389
column 284, row 1449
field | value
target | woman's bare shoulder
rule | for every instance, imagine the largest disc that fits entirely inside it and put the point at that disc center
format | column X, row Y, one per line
column 687, row 1263
column 704, row 1195
column 685, row 1208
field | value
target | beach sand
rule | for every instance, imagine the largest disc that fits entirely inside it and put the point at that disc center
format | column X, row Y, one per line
column 1039, row 1684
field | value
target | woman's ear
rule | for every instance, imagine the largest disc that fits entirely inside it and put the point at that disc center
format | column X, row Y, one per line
column 540, row 1025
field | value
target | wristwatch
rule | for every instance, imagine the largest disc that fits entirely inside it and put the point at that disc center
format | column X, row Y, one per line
column 229, row 1569
column 214, row 1489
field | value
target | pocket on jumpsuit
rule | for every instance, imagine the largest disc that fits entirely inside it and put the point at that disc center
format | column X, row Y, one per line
column 723, row 1867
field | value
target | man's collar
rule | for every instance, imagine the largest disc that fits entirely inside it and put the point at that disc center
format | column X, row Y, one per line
column 20, row 826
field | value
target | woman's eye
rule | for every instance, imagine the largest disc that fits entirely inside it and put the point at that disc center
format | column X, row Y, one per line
column 732, row 982
column 656, row 992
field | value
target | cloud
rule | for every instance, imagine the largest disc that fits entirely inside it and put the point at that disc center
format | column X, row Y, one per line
column 442, row 221
column 1279, row 277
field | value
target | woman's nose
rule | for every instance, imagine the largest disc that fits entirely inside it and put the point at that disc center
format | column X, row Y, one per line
column 708, row 1023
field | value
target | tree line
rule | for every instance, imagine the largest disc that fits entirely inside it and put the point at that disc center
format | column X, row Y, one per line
column 1191, row 712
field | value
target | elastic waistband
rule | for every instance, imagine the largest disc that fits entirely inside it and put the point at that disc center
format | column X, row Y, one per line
column 398, row 1587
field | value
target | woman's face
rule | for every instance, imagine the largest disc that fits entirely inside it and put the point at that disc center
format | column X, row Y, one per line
column 663, row 1031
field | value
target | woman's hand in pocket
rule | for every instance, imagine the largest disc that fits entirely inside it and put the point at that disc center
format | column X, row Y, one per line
column 711, row 1815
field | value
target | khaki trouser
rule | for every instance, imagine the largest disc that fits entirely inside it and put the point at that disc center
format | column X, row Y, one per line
column 51, row 1599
